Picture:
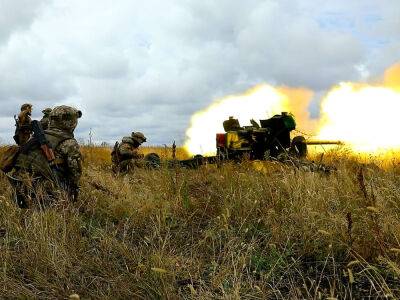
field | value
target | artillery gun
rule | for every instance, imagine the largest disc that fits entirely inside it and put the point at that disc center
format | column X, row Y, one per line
column 265, row 141
column 268, row 139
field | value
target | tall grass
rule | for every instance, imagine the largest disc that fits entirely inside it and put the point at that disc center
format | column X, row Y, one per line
column 237, row 231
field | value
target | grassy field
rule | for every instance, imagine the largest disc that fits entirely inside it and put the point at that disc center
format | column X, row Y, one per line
column 250, row 230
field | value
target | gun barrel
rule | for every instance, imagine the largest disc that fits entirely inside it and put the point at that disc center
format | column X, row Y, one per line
column 318, row 142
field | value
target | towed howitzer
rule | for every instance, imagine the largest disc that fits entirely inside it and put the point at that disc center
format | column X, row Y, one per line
column 320, row 142
column 267, row 141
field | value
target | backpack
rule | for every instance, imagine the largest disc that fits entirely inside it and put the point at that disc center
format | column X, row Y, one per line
column 8, row 158
column 32, row 159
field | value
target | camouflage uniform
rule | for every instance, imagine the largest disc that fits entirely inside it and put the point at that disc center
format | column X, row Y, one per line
column 23, row 131
column 38, row 180
column 46, row 118
column 126, row 156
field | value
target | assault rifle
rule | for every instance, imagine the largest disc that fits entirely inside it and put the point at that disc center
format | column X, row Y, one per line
column 40, row 138
column 17, row 129
column 38, row 134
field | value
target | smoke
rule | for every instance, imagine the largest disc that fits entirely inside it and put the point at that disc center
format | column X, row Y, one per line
column 260, row 102
column 298, row 102
column 392, row 77
column 364, row 116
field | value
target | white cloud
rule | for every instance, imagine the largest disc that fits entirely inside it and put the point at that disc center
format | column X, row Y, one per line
column 16, row 15
column 134, row 65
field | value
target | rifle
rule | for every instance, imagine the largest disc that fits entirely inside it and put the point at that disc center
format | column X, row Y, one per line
column 101, row 187
column 17, row 129
column 40, row 138
column 116, row 152
column 38, row 134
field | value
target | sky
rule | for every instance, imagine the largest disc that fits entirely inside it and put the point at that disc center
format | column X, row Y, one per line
column 147, row 66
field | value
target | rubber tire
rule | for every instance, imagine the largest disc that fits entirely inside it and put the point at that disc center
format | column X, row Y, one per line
column 298, row 147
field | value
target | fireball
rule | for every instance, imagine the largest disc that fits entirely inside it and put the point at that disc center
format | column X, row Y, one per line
column 260, row 102
column 364, row 116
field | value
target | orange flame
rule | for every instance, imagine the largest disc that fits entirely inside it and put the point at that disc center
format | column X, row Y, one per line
column 260, row 102
column 364, row 116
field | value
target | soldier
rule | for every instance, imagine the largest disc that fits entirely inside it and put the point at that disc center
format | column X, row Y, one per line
column 46, row 118
column 23, row 128
column 125, row 156
column 40, row 179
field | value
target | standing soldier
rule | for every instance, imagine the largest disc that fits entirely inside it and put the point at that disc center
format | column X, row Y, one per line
column 125, row 156
column 46, row 118
column 49, row 165
column 23, row 128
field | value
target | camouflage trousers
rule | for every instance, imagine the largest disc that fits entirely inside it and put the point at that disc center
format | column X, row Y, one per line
column 127, row 166
column 35, row 191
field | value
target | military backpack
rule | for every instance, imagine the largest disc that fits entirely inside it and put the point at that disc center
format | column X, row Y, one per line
column 8, row 158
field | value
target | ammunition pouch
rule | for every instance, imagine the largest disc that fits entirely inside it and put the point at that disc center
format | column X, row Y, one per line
column 36, row 163
column 32, row 159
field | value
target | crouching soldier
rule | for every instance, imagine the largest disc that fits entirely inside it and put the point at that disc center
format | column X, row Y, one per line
column 48, row 167
column 125, row 155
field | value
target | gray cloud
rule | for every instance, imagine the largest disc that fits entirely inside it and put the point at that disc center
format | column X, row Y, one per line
column 16, row 15
column 131, row 65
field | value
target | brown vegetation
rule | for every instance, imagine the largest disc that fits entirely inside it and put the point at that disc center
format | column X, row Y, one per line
column 250, row 230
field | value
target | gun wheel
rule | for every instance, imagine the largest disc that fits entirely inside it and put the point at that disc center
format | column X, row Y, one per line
column 298, row 147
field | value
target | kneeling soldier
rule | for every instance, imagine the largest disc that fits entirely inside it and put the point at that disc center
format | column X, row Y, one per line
column 49, row 164
column 125, row 155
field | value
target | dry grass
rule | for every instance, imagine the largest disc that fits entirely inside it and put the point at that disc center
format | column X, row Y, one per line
column 233, row 232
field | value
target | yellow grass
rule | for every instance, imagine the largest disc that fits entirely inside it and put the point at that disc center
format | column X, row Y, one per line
column 102, row 155
column 237, row 231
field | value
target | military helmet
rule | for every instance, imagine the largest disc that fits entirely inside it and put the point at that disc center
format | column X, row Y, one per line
column 128, row 139
column 139, row 137
column 26, row 106
column 47, row 111
column 64, row 117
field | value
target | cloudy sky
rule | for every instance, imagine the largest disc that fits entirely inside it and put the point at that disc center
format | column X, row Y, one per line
column 149, row 65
